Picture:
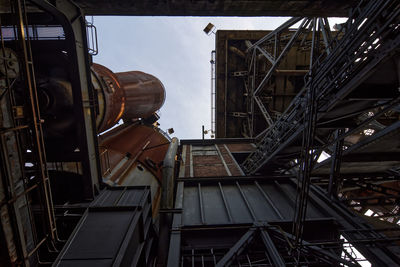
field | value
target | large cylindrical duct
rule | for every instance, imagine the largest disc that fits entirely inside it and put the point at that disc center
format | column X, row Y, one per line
column 128, row 95
column 111, row 97
column 144, row 94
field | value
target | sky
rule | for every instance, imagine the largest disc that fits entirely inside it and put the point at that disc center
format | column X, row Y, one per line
column 178, row 52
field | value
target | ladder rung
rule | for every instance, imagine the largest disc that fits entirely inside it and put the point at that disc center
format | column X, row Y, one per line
column 18, row 128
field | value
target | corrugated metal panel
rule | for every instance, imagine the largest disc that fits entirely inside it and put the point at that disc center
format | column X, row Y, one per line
column 240, row 202
column 113, row 231
column 120, row 197
column 111, row 226
column 218, row 212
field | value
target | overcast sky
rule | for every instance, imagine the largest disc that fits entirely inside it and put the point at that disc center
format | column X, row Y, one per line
column 177, row 51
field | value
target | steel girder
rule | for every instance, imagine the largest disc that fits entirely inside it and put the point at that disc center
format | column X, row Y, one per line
column 338, row 71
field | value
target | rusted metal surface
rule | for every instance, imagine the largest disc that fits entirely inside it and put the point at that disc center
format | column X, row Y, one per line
column 128, row 95
column 132, row 141
column 144, row 93
column 134, row 156
column 111, row 97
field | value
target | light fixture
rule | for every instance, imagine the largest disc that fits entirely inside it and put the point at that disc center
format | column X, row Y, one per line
column 210, row 28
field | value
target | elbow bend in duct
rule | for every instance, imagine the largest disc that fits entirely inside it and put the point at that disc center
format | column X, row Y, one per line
column 127, row 95
column 145, row 94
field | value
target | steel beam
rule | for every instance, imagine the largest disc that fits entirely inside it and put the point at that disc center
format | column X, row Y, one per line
column 234, row 251
column 348, row 73
column 271, row 250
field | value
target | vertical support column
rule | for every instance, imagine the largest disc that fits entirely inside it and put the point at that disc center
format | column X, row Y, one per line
column 226, row 86
column 307, row 152
column 182, row 169
column 168, row 171
column 334, row 176
column 167, row 199
column 191, row 161
column 174, row 252
column 213, row 94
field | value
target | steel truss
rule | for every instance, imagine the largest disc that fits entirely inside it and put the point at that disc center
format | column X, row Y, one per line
column 382, row 201
column 334, row 74
column 272, row 253
column 273, row 48
column 371, row 34
column 278, row 246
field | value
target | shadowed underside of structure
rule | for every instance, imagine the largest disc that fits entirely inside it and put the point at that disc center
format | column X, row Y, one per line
column 216, row 8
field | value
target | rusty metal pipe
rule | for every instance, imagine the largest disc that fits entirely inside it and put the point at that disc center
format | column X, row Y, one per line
column 167, row 197
column 145, row 94
column 111, row 97
column 127, row 95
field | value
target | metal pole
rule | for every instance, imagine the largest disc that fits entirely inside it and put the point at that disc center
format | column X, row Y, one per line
column 167, row 199
column 335, row 166
column 167, row 196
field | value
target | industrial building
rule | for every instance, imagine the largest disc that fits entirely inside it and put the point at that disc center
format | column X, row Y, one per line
column 304, row 169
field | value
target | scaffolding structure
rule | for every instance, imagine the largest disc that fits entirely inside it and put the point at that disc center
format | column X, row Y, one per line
column 338, row 67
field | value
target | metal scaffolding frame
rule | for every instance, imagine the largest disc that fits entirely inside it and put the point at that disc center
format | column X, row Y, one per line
column 335, row 71
column 334, row 74
column 21, row 181
column 274, row 47
column 25, row 192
